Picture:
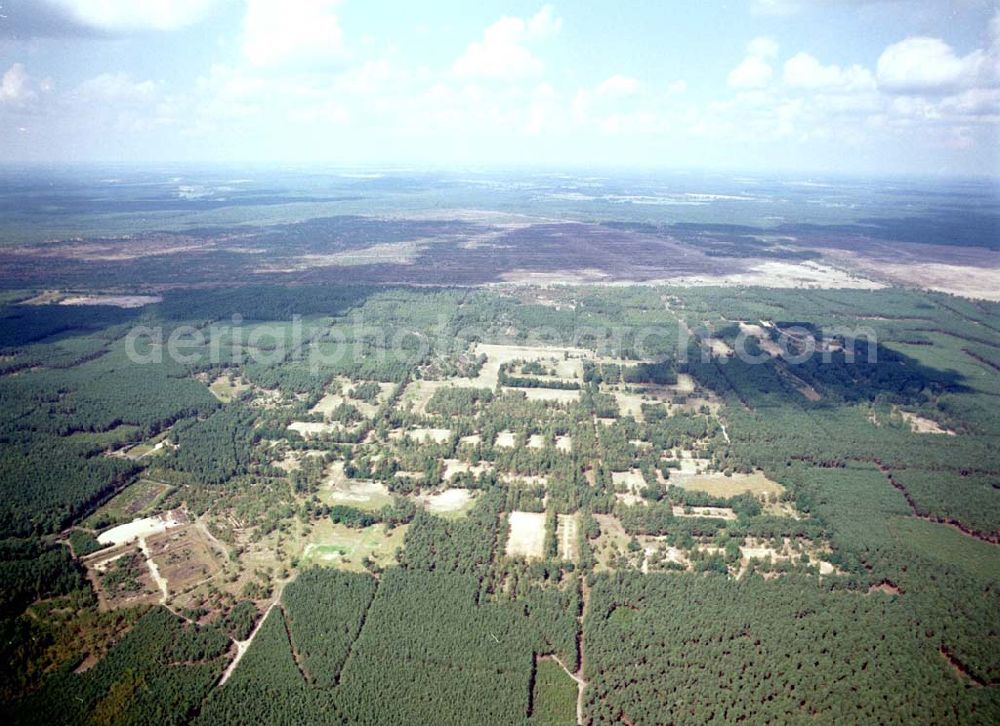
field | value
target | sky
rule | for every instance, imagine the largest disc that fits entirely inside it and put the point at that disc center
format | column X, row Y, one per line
column 873, row 87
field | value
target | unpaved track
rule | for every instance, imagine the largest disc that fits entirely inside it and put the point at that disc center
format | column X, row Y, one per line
column 154, row 571
column 243, row 645
column 581, row 684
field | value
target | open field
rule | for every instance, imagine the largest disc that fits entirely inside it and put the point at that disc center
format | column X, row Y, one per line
column 805, row 275
column 135, row 500
column 450, row 503
column 436, row 436
column 630, row 481
column 568, row 361
column 359, row 493
column 505, row 440
column 720, row 485
column 527, row 534
column 184, row 557
column 342, row 547
column 612, row 540
column 566, row 533
column 228, row 388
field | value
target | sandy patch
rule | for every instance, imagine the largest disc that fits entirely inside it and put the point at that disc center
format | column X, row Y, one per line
column 556, row 395
column 718, row 347
column 448, row 501
column 714, row 512
column 505, row 440
column 365, row 494
column 118, row 301
column 527, row 534
column 471, row 440
column 564, row 443
column 630, row 404
column 752, row 330
column 566, row 532
column 455, row 466
column 809, row 274
column 921, row 425
column 308, row 429
column 536, row 441
column 692, row 466
column 630, row 481
column 144, row 527
column 497, row 355
column 435, row 436
column 418, row 393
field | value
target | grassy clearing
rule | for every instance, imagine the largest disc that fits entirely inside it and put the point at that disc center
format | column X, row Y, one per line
column 226, row 388
column 111, row 437
column 554, row 696
column 554, row 395
column 335, row 545
column 613, row 540
column 184, row 557
column 567, row 360
column 719, row 485
column 367, row 495
column 136, row 500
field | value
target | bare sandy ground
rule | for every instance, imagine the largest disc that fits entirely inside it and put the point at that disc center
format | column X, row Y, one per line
column 921, row 425
column 137, row 528
column 437, row 436
column 811, row 275
column 450, row 500
column 527, row 534
column 967, row 271
column 716, row 512
column 567, row 533
column 505, row 439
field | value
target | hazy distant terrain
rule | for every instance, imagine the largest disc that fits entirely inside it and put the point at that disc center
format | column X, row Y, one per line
column 395, row 227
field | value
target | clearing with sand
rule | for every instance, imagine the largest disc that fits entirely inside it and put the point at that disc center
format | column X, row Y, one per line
column 527, row 534
column 720, row 485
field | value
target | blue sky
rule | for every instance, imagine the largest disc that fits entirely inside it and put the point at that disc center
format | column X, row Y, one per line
column 851, row 86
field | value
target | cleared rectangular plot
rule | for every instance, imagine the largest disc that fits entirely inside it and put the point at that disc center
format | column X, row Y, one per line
column 527, row 534
column 566, row 533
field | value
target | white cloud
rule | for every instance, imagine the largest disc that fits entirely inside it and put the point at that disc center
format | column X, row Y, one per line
column 806, row 72
column 116, row 88
column 774, row 7
column 544, row 22
column 14, row 85
column 618, row 85
column 678, row 86
column 19, row 89
column 502, row 53
column 300, row 31
column 751, row 73
column 763, row 47
column 922, row 65
column 754, row 71
column 121, row 15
